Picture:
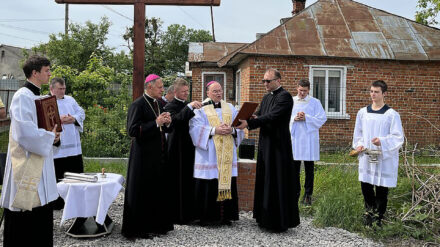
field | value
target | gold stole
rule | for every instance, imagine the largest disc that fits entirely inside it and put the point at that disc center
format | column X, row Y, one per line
column 27, row 173
column 224, row 148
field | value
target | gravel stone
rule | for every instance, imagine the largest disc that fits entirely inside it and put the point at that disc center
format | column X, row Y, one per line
column 244, row 232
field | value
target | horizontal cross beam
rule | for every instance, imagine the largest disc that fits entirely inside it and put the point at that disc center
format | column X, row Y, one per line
column 147, row 2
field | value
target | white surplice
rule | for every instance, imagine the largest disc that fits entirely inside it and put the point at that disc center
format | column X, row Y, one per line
column 70, row 140
column 387, row 127
column 25, row 131
column 205, row 164
column 305, row 134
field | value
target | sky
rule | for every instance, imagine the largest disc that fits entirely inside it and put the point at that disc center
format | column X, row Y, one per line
column 26, row 23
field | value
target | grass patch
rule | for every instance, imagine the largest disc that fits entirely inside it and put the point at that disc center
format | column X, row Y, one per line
column 338, row 202
column 96, row 166
column 343, row 157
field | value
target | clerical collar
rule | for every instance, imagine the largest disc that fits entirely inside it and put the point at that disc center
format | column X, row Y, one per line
column 276, row 90
column 165, row 99
column 31, row 86
column 153, row 99
column 380, row 111
column 217, row 105
column 180, row 100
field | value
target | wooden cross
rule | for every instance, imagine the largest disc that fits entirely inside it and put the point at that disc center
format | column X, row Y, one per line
column 139, row 30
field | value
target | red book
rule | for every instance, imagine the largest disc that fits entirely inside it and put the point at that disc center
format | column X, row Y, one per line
column 47, row 113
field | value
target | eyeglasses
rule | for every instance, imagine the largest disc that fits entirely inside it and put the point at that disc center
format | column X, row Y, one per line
column 268, row 81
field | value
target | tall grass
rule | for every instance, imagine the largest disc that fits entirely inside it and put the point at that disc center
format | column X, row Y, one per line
column 338, row 202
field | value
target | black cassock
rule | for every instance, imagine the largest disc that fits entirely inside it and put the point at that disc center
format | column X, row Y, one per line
column 275, row 200
column 181, row 150
column 148, row 193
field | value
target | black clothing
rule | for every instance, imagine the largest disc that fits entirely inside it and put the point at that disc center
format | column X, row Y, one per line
column 26, row 228
column 375, row 202
column 181, row 160
column 32, row 87
column 162, row 102
column 29, row 228
column 275, row 200
column 147, row 200
column 380, row 111
column 309, row 167
column 66, row 164
column 208, row 209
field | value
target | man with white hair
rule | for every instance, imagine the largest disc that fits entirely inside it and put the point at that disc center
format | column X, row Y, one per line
column 215, row 166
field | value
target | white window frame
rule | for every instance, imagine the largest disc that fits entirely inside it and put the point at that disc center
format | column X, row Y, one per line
column 212, row 73
column 238, row 87
column 343, row 103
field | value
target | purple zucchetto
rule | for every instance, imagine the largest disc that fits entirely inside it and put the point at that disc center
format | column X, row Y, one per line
column 210, row 83
column 151, row 77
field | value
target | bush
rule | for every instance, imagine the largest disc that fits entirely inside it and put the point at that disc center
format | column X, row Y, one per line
column 338, row 202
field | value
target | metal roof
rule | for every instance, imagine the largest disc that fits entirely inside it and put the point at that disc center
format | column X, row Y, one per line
column 345, row 28
column 210, row 51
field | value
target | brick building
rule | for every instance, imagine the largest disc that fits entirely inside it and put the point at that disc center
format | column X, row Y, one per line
column 341, row 46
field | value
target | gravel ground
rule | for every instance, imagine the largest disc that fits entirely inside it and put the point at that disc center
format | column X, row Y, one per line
column 243, row 232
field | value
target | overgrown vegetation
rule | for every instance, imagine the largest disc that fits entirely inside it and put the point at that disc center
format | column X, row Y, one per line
column 338, row 202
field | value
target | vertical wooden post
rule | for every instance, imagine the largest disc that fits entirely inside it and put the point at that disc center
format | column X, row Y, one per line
column 139, row 49
column 66, row 20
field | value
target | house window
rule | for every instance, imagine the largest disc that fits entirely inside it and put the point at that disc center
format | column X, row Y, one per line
column 237, row 87
column 220, row 77
column 328, row 85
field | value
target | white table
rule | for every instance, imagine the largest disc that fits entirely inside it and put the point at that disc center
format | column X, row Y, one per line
column 86, row 199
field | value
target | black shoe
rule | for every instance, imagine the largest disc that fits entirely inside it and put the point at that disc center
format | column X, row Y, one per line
column 307, row 200
column 368, row 219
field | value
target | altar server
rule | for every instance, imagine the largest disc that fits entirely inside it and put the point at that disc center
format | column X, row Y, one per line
column 378, row 127
column 308, row 116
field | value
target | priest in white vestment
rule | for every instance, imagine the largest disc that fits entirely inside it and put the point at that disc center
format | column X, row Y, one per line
column 379, row 128
column 215, row 168
column 68, row 154
column 308, row 116
column 29, row 183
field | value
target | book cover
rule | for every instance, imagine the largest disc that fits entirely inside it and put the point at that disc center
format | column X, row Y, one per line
column 245, row 113
column 47, row 113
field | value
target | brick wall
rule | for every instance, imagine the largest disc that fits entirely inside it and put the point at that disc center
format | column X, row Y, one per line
column 197, row 82
column 246, row 184
column 414, row 91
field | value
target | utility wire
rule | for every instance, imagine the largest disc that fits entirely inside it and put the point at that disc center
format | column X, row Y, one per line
column 19, row 37
column 24, row 29
column 116, row 12
column 192, row 18
column 25, row 20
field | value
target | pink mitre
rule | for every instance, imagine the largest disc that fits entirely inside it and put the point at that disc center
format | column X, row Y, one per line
column 210, row 83
column 151, row 77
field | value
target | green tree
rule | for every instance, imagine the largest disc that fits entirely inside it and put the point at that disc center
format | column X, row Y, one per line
column 75, row 49
column 166, row 51
column 428, row 12
column 175, row 43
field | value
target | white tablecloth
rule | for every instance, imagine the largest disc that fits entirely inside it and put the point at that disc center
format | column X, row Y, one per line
column 90, row 199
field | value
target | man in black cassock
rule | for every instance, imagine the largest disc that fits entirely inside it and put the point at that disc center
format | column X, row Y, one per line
column 275, row 200
column 147, row 194
column 182, row 149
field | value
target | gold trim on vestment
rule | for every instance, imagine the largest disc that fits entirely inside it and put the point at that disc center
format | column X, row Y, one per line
column 224, row 148
column 27, row 172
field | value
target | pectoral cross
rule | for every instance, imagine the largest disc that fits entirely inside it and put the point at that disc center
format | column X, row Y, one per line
column 139, row 30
